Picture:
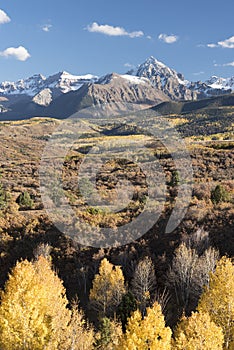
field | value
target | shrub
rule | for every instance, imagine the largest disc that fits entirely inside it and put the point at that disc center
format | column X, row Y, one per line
column 219, row 195
column 25, row 201
column 4, row 196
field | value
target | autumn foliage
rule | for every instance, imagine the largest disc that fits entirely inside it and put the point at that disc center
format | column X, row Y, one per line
column 218, row 299
column 147, row 333
column 108, row 288
column 198, row 332
column 36, row 315
column 34, row 312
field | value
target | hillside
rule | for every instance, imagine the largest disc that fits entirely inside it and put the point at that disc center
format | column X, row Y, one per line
column 184, row 107
column 25, row 223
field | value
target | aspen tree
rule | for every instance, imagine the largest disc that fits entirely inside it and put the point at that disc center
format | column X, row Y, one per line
column 108, row 288
column 33, row 311
column 198, row 332
column 147, row 333
column 218, row 299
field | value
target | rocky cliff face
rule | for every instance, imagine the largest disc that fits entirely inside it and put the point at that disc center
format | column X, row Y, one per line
column 165, row 79
column 111, row 90
column 43, row 98
column 173, row 83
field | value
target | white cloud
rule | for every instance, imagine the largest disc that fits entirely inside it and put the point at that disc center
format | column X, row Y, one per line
column 113, row 31
column 129, row 65
column 3, row 17
column 212, row 45
column 229, row 64
column 46, row 27
column 19, row 53
column 168, row 39
column 198, row 73
column 226, row 44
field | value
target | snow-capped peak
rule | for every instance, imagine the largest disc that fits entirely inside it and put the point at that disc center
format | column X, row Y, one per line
column 65, row 82
column 61, row 82
column 220, row 83
column 154, row 61
column 22, row 86
column 131, row 79
column 155, row 70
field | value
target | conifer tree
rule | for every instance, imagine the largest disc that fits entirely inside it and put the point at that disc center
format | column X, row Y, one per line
column 110, row 332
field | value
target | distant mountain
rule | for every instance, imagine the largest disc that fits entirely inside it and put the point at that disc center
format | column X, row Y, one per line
column 220, row 83
column 63, row 94
column 111, row 89
column 174, row 85
column 58, row 83
column 183, row 107
column 164, row 78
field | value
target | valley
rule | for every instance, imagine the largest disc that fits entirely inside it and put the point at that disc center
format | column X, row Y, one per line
column 151, row 137
column 208, row 134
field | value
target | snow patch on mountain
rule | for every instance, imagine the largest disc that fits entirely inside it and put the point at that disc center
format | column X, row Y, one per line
column 133, row 79
column 62, row 82
column 220, row 83
column 23, row 86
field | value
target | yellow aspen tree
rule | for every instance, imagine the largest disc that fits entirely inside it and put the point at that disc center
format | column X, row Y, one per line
column 79, row 334
column 148, row 333
column 108, row 288
column 33, row 311
column 218, row 300
column 198, row 332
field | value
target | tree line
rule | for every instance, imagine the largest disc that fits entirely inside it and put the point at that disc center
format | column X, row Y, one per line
column 35, row 312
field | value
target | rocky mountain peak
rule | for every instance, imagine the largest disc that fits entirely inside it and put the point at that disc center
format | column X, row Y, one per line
column 148, row 84
column 220, row 83
column 164, row 78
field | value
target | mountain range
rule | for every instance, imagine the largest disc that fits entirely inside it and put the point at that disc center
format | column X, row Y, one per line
column 63, row 94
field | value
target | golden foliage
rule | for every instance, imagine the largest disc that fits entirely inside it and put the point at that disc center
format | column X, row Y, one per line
column 198, row 332
column 108, row 287
column 80, row 336
column 34, row 313
column 148, row 333
column 218, row 299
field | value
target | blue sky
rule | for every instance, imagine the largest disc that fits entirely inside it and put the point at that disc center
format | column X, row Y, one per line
column 100, row 36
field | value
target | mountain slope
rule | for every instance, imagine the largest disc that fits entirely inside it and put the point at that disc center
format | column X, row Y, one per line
column 63, row 94
column 113, row 88
column 172, row 107
column 173, row 84
column 58, row 83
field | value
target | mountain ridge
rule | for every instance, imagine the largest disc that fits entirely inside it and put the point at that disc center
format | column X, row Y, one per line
column 150, row 69
column 63, row 94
